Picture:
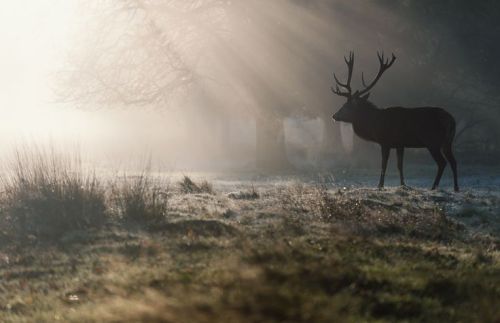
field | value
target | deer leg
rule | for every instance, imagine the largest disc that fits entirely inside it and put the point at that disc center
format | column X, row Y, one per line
column 453, row 163
column 441, row 162
column 385, row 157
column 401, row 151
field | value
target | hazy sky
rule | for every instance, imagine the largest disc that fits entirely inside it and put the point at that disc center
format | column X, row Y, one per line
column 35, row 38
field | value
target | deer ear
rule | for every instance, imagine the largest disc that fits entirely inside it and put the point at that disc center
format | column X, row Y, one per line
column 366, row 96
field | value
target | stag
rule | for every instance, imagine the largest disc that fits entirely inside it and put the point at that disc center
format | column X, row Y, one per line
column 397, row 127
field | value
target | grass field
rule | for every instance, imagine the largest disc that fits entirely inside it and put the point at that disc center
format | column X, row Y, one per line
column 155, row 249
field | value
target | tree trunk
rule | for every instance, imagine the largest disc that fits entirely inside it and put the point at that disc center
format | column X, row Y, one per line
column 271, row 151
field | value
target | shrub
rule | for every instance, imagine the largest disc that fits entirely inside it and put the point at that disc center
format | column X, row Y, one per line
column 46, row 194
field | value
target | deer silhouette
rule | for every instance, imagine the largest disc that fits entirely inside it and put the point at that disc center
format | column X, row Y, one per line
column 397, row 127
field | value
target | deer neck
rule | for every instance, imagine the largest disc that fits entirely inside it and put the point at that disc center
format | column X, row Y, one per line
column 368, row 122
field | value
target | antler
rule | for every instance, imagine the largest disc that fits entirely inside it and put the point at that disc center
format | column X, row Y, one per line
column 347, row 85
column 385, row 64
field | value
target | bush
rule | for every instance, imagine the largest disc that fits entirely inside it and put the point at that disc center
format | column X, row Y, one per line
column 46, row 194
column 141, row 198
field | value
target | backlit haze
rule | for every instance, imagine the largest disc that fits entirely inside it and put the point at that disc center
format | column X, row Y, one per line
column 233, row 62
column 36, row 38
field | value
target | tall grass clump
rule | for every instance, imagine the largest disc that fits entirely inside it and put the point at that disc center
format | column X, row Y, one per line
column 46, row 194
column 141, row 199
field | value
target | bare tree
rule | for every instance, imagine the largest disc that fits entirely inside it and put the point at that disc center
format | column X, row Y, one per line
column 139, row 52
column 152, row 53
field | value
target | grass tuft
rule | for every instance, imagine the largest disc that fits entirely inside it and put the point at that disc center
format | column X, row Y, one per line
column 46, row 194
column 141, row 199
column 188, row 186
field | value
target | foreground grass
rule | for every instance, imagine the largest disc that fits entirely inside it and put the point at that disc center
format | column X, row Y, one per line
column 292, row 254
column 142, row 278
column 140, row 250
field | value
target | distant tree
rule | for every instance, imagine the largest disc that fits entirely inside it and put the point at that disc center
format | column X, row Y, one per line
column 139, row 52
column 156, row 53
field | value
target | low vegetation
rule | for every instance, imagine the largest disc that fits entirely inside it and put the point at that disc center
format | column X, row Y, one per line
column 292, row 253
column 46, row 194
column 188, row 186
column 141, row 198
column 374, row 214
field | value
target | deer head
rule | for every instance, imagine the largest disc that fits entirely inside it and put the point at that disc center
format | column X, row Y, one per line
column 358, row 100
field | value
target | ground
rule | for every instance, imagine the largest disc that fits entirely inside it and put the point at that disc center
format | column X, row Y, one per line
column 308, row 248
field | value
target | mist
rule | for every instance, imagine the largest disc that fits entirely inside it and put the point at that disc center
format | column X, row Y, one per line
column 207, row 84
